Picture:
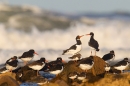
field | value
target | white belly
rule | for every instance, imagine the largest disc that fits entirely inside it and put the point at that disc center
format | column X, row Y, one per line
column 37, row 67
column 8, row 67
column 85, row 66
column 107, row 68
column 72, row 51
column 56, row 71
column 73, row 77
column 27, row 59
column 121, row 67
column 75, row 59
column 81, row 78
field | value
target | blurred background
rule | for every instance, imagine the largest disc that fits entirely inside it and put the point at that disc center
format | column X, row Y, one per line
column 49, row 27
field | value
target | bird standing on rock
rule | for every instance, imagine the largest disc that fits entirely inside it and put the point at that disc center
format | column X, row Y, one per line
column 122, row 65
column 109, row 56
column 27, row 56
column 86, row 63
column 93, row 43
column 57, row 61
column 12, row 63
column 76, row 48
column 37, row 65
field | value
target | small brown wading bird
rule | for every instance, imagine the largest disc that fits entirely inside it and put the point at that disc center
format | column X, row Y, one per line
column 93, row 43
column 76, row 57
column 27, row 56
column 74, row 49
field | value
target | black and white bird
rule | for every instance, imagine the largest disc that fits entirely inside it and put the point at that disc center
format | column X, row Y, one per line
column 76, row 57
column 57, row 61
column 76, row 48
column 3, row 70
column 86, row 63
column 72, row 75
column 93, row 43
column 56, row 69
column 27, row 56
column 109, row 57
column 107, row 68
column 81, row 76
column 122, row 65
column 37, row 65
column 12, row 64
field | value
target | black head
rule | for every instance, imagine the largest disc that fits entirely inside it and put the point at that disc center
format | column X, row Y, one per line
column 14, row 58
column 125, row 59
column 112, row 52
column 59, row 59
column 78, row 37
column 32, row 51
column 42, row 59
column 91, row 33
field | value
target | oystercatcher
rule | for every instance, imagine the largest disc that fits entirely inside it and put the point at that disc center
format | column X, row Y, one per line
column 122, row 65
column 108, row 57
column 107, row 68
column 72, row 75
column 37, row 65
column 56, row 69
column 93, row 43
column 86, row 63
column 76, row 48
column 57, row 61
column 3, row 70
column 76, row 57
column 27, row 56
column 12, row 63
column 81, row 76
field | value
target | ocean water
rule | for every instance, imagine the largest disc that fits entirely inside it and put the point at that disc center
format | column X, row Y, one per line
column 111, row 34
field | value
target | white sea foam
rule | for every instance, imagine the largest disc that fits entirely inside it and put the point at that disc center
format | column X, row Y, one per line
column 111, row 35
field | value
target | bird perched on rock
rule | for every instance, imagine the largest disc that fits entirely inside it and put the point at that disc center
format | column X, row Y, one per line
column 57, row 61
column 122, row 65
column 107, row 68
column 86, row 63
column 12, row 63
column 72, row 75
column 74, row 49
column 75, row 57
column 81, row 76
column 93, row 43
column 56, row 69
column 37, row 65
column 108, row 57
column 27, row 56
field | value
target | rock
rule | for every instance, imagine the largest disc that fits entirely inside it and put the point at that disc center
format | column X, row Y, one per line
column 7, row 81
column 98, row 67
column 61, row 83
column 39, row 80
column 71, row 66
column 25, row 73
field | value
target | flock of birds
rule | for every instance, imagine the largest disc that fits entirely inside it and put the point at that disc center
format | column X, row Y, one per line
column 57, row 66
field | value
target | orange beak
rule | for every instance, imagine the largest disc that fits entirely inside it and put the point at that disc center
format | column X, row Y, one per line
column 46, row 61
column 35, row 53
column 63, row 61
column 81, row 36
column 87, row 34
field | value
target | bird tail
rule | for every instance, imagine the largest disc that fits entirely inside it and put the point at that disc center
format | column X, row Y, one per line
column 64, row 51
column 97, row 49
